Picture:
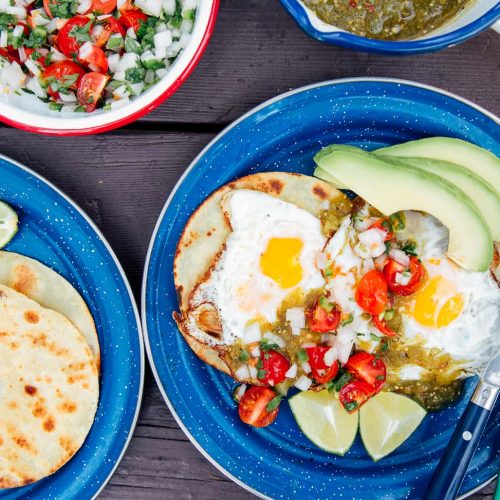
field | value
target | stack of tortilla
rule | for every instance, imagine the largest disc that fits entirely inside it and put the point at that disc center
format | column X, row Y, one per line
column 49, row 371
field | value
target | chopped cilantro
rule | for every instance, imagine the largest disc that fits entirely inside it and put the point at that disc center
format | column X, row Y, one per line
column 410, row 248
column 37, row 38
column 261, row 374
column 6, row 19
column 348, row 320
column 132, row 45
column 398, row 221
column 189, row 14
column 266, row 345
column 325, row 304
column 79, row 109
column 328, row 272
column 351, row 405
column 115, row 42
column 175, row 21
column 135, row 75
column 244, row 356
column 344, row 379
column 55, row 106
column 81, row 33
column 28, row 91
column 380, row 377
column 274, row 403
column 153, row 64
column 389, row 314
column 64, row 8
column 302, row 356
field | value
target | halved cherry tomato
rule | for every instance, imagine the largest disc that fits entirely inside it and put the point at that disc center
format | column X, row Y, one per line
column 100, row 7
column 321, row 372
column 95, row 59
column 59, row 70
column 381, row 324
column 355, row 394
column 275, row 365
column 90, row 89
column 110, row 26
column 10, row 53
column 371, row 293
column 367, row 368
column 415, row 268
column 132, row 18
column 384, row 225
column 253, row 406
column 67, row 43
column 321, row 321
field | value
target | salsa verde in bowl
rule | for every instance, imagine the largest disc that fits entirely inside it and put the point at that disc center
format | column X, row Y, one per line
column 72, row 67
column 388, row 26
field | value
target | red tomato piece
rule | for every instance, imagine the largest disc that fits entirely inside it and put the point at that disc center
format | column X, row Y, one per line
column 58, row 71
column 384, row 225
column 371, row 293
column 90, row 90
column 320, row 320
column 66, row 41
column 355, row 394
column 382, row 326
column 321, row 372
column 94, row 58
column 10, row 53
column 100, row 7
column 415, row 268
column 367, row 368
column 132, row 18
column 110, row 26
column 275, row 365
column 253, row 406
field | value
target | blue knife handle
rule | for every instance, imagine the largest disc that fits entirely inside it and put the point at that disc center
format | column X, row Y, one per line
column 450, row 472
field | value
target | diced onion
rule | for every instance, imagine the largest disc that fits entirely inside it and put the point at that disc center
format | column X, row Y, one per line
column 22, row 54
column 363, row 223
column 137, row 87
column 274, row 339
column 84, row 6
column 56, row 55
column 113, row 62
column 321, row 260
column 242, row 373
column 296, row 317
column 162, row 41
column 292, row 371
column 252, row 333
column 403, row 278
column 187, row 27
column 121, row 92
column 19, row 12
column 52, row 25
column 306, row 367
column 119, row 104
column 69, row 97
column 3, row 38
column 18, row 31
column 308, row 344
column 344, row 345
column 32, row 66
column 253, row 371
column 85, row 50
column 380, row 261
column 399, row 256
column 255, row 351
column 240, row 391
column 97, row 31
column 34, row 85
column 169, row 7
column 330, row 356
column 131, row 33
column 120, row 3
column 39, row 17
column 303, row 383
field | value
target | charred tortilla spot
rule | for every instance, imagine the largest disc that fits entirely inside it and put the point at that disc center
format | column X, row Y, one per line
column 276, row 186
column 29, row 389
column 31, row 317
column 49, row 424
column 67, row 407
column 25, row 280
column 39, row 409
column 320, row 192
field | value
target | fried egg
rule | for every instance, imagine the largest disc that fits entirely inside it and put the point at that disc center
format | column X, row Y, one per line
column 455, row 311
column 271, row 251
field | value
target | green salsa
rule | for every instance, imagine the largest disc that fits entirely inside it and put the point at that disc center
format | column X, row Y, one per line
column 387, row 19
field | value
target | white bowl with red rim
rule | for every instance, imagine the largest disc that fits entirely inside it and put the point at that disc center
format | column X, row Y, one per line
column 26, row 113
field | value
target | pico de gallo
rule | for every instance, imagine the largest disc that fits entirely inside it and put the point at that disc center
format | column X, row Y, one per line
column 307, row 348
column 82, row 55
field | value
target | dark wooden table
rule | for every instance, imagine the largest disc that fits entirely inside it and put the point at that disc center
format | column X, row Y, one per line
column 122, row 179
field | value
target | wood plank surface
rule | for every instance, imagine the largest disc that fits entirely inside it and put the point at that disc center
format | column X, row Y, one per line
column 122, row 179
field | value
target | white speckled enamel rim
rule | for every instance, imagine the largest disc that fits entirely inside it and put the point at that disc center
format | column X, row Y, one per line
column 132, row 300
column 181, row 180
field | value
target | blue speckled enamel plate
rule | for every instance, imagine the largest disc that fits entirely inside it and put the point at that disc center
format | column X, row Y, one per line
column 56, row 232
column 283, row 134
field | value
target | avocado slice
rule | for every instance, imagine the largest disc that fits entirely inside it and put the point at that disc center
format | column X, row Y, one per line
column 391, row 186
column 479, row 160
column 484, row 196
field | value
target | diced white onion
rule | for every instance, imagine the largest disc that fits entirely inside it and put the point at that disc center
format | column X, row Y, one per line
column 18, row 31
column 403, row 278
column 69, row 97
column 242, row 373
column 120, row 3
column 150, row 7
column 363, row 223
column 22, row 54
column 399, row 256
column 131, row 33
column 187, row 27
column 252, row 333
column 373, row 241
column 119, row 104
column 367, row 265
column 253, row 371
column 56, row 55
column 147, row 55
column 137, row 87
column 121, row 92
column 84, row 6
column 321, row 260
column 173, row 50
column 161, row 72
column 19, row 12
column 169, row 7
column 61, row 22
column 305, row 345
column 240, row 391
column 161, row 27
column 344, row 344
column 34, row 85
column 150, row 76
column 274, row 339
column 306, row 367
column 380, row 261
column 39, row 17
column 3, row 38
column 32, row 66
column 297, row 319
column 303, row 383
column 119, row 75
column 97, row 31
column 255, row 351
column 11, row 76
column 104, row 16
column 85, row 50
column 292, row 371
column 330, row 356
column 129, row 60
column 113, row 62
column 52, row 25
column 162, row 41
column 188, row 5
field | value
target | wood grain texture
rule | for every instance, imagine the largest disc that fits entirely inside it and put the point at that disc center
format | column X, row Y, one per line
column 258, row 51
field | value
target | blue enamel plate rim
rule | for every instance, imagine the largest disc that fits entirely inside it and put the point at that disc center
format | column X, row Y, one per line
column 138, row 324
column 180, row 182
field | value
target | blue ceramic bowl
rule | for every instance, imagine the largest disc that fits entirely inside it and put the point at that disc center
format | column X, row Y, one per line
column 283, row 135
column 478, row 17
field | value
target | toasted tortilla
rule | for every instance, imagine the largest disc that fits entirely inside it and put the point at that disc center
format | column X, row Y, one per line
column 49, row 390
column 206, row 231
column 50, row 290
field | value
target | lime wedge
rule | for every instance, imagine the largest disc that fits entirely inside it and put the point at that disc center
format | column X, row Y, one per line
column 387, row 421
column 8, row 224
column 322, row 418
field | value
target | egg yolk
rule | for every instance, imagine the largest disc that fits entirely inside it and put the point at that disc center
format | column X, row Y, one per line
column 437, row 304
column 280, row 261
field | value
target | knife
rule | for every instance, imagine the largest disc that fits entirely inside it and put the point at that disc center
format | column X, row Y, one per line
column 450, row 472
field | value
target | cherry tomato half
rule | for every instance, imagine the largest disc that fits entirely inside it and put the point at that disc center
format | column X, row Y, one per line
column 66, row 42
column 100, row 7
column 384, row 225
column 355, row 394
column 90, row 89
column 60, row 70
column 253, row 406
column 367, row 368
column 132, row 18
column 275, row 365
column 110, row 26
column 415, row 268
column 320, row 320
column 371, row 293
column 381, row 324
column 321, row 372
